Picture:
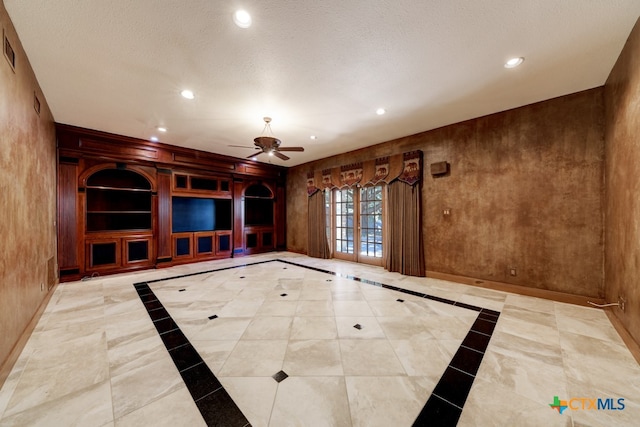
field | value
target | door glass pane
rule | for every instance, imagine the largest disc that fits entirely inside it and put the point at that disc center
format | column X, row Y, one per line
column 371, row 221
column 327, row 212
column 344, row 221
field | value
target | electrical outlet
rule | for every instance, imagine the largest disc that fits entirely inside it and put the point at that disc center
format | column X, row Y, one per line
column 621, row 302
column 513, row 271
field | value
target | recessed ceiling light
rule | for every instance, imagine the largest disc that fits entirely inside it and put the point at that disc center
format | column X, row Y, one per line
column 187, row 94
column 254, row 158
column 313, row 137
column 161, row 129
column 513, row 62
column 154, row 139
column 271, row 153
column 380, row 111
column 242, row 18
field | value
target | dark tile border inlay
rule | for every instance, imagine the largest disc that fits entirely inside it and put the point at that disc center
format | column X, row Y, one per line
column 443, row 408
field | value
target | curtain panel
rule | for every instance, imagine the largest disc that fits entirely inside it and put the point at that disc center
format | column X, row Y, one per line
column 318, row 246
column 404, row 252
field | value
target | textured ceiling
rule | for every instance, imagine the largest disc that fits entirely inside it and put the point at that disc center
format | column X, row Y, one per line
column 317, row 67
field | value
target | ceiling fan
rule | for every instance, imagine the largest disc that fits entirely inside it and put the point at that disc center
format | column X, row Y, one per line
column 268, row 143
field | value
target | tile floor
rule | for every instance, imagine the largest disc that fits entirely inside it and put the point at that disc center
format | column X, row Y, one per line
column 282, row 339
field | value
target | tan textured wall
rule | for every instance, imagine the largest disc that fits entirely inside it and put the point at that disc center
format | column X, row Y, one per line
column 525, row 190
column 622, row 137
column 27, row 193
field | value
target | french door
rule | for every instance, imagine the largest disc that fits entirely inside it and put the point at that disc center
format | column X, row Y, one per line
column 356, row 224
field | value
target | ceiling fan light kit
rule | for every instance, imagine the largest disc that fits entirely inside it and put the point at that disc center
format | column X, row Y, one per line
column 269, row 144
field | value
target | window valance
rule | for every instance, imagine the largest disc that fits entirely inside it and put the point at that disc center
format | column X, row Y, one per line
column 406, row 167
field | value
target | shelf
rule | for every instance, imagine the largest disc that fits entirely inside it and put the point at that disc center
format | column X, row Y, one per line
column 101, row 187
column 119, row 212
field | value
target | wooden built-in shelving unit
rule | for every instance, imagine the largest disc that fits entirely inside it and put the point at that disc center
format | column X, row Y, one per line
column 126, row 204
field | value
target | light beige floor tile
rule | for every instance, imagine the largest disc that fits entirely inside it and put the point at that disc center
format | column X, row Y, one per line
column 174, row 409
column 255, row 358
column 140, row 386
column 528, row 368
column 241, row 308
column 387, row 401
column 254, row 397
column 315, row 308
column 530, row 303
column 268, row 328
column 311, row 401
column 389, row 308
column 316, row 294
column 352, row 308
column 214, row 352
column 369, row 358
column 313, row 328
column 85, row 406
column 404, row 328
column 493, row 405
column 222, row 328
column 278, row 308
column 427, row 358
column 54, row 372
column 313, row 358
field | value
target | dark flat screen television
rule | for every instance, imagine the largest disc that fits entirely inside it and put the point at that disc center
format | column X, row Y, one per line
column 191, row 214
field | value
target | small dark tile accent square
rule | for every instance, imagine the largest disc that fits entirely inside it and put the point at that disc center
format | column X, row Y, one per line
column 242, row 277
column 400, row 300
column 357, row 326
column 280, row 376
column 218, row 409
column 157, row 314
column 284, row 268
column 283, row 295
column 153, row 305
column 200, row 381
column 328, row 280
column 174, row 339
column 467, row 360
column 215, row 316
column 165, row 325
column 438, row 413
column 476, row 341
column 454, row 386
column 185, row 357
column 181, row 290
column 484, row 326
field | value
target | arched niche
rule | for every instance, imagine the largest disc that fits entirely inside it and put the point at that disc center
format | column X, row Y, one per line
column 258, row 205
column 118, row 199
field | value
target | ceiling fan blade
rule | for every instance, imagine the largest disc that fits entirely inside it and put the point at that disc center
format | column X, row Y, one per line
column 290, row 149
column 254, row 154
column 241, row 146
column 280, row 155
